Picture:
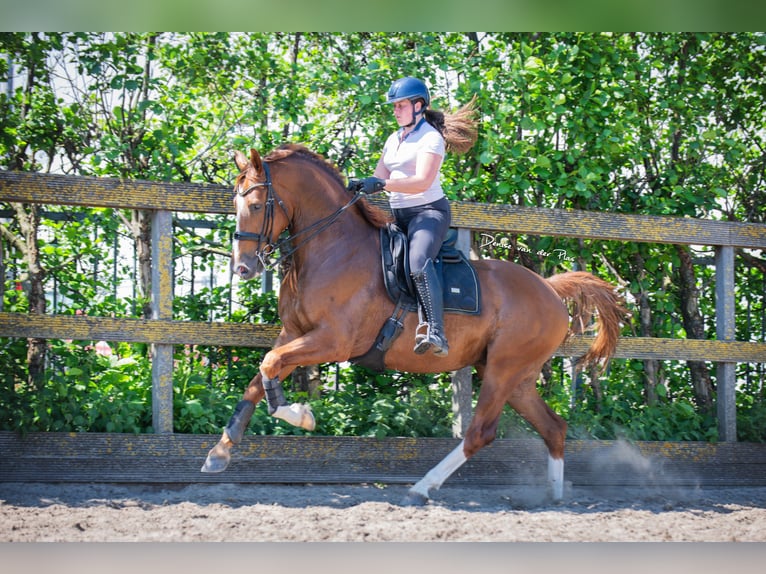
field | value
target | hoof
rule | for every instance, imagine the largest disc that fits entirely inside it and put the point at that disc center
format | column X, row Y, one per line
column 297, row 415
column 414, row 499
column 217, row 459
column 214, row 465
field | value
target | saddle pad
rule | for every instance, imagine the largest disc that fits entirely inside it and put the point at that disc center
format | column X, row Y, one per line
column 459, row 281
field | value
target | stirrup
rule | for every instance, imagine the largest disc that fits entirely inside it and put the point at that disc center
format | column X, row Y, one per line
column 422, row 343
column 431, row 339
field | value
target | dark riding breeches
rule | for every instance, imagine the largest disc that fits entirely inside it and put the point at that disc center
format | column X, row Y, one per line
column 426, row 227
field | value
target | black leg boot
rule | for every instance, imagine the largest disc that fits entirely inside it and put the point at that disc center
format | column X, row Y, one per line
column 275, row 396
column 430, row 333
column 243, row 412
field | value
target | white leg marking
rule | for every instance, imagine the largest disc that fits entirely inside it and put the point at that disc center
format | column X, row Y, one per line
column 297, row 415
column 441, row 472
column 556, row 477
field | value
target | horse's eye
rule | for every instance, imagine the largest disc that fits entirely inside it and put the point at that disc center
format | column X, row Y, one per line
column 255, row 207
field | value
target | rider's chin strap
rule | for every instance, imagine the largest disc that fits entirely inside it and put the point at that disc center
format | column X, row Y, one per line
column 415, row 115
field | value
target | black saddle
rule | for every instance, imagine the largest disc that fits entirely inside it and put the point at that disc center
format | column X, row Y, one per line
column 459, row 281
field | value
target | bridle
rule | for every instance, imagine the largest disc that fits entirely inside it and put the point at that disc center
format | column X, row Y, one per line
column 284, row 245
column 268, row 218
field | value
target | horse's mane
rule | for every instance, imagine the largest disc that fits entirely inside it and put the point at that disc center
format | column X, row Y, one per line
column 376, row 216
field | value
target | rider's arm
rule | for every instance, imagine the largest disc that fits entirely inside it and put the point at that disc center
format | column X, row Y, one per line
column 426, row 170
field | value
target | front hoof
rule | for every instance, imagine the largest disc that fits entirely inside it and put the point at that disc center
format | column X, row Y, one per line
column 217, row 460
column 414, row 499
column 297, row 415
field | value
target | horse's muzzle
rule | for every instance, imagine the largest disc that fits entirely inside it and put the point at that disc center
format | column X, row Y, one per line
column 246, row 267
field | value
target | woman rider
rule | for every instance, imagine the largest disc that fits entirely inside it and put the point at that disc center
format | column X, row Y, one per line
column 409, row 170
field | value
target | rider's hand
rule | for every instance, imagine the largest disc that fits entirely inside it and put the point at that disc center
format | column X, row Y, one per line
column 367, row 185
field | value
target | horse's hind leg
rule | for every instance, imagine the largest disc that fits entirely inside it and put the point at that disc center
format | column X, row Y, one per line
column 552, row 428
column 480, row 433
column 418, row 494
column 483, row 429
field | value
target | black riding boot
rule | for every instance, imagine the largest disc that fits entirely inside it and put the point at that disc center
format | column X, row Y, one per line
column 430, row 332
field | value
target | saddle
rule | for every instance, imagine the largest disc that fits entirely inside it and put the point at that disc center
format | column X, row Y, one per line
column 459, row 282
column 460, row 286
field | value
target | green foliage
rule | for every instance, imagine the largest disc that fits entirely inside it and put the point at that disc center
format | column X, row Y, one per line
column 667, row 421
column 654, row 124
column 85, row 391
column 389, row 404
column 622, row 413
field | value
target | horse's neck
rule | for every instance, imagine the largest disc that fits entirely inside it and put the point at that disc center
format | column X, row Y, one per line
column 350, row 240
column 349, row 236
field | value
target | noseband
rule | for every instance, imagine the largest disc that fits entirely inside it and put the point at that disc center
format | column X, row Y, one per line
column 286, row 246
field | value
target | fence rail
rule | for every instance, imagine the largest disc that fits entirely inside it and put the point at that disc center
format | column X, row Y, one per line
column 165, row 198
column 142, row 459
column 216, row 333
column 187, row 197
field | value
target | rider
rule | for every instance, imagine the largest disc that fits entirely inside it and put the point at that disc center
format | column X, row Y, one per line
column 409, row 170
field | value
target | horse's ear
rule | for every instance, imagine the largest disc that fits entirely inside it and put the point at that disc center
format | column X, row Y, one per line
column 255, row 159
column 241, row 160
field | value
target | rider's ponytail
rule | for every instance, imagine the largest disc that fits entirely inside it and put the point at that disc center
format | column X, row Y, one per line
column 459, row 128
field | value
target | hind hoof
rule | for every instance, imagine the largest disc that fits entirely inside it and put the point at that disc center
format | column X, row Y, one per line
column 415, row 499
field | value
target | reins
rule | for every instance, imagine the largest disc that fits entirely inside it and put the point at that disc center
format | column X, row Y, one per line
column 286, row 250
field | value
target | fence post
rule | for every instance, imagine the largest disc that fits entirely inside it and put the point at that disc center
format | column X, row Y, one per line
column 462, row 395
column 725, row 331
column 162, row 308
column 2, row 276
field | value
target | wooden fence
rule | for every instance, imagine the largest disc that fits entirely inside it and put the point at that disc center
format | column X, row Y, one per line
column 166, row 198
column 176, row 459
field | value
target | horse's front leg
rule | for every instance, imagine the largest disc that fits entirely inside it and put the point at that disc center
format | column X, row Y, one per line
column 309, row 349
column 296, row 414
column 220, row 455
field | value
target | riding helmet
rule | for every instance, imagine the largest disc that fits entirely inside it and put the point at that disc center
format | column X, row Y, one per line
column 408, row 88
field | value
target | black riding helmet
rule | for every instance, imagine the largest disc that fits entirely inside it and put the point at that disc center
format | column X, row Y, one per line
column 409, row 88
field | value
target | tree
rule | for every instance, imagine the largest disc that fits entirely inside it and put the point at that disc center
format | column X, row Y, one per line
column 663, row 124
column 32, row 126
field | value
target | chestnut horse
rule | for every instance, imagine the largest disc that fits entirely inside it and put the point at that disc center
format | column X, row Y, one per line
column 333, row 302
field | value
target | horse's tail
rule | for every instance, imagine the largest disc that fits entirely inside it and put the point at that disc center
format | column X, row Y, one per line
column 590, row 295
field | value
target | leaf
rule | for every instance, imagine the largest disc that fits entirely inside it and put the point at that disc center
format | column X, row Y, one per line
column 542, row 162
column 486, row 157
column 533, row 63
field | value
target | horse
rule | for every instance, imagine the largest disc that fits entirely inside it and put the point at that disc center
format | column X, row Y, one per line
column 333, row 302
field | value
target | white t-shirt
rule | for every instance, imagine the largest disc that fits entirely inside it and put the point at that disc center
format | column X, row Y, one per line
column 401, row 161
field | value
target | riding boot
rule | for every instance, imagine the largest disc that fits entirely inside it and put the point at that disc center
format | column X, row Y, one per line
column 430, row 332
